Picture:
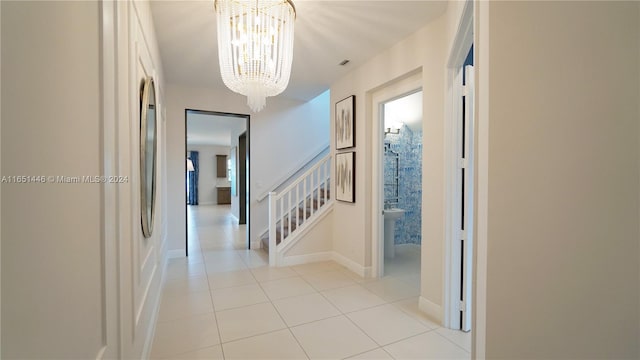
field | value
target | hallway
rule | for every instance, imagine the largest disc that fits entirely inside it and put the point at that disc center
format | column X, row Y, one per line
column 224, row 302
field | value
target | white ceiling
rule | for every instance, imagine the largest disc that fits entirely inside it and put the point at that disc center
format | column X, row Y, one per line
column 405, row 110
column 327, row 32
column 208, row 129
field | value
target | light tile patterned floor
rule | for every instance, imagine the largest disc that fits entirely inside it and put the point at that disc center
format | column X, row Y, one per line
column 224, row 302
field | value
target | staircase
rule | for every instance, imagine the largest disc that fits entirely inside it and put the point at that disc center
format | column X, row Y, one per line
column 294, row 209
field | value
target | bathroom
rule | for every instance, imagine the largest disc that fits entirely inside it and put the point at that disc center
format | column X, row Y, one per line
column 403, row 184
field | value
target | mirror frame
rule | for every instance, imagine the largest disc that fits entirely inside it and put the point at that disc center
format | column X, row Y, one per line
column 147, row 215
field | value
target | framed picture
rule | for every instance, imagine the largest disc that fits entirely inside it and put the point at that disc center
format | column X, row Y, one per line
column 346, row 177
column 345, row 123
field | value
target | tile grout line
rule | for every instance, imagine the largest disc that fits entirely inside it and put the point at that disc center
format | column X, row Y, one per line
column 283, row 320
column 451, row 341
column 251, row 266
column 215, row 316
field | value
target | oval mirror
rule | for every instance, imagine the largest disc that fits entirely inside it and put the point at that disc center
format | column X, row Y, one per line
column 148, row 140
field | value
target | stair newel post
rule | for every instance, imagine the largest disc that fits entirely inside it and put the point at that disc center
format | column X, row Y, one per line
column 272, row 228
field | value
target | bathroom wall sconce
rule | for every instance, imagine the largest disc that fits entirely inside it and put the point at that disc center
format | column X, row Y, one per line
column 391, row 131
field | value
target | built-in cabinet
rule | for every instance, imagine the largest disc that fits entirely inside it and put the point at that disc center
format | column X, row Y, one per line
column 221, row 166
column 224, row 195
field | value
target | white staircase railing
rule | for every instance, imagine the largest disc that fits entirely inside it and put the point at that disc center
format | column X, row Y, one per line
column 293, row 209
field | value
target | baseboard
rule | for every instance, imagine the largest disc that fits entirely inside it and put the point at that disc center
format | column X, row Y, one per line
column 432, row 310
column 174, row 254
column 305, row 259
column 364, row 271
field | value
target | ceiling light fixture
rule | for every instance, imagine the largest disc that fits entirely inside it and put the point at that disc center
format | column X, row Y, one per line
column 255, row 47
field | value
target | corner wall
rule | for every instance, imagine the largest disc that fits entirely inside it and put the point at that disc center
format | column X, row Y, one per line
column 426, row 50
column 79, row 279
column 563, row 237
column 50, row 231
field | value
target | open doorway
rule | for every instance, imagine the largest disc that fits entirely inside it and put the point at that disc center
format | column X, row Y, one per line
column 390, row 138
column 217, row 180
column 402, row 185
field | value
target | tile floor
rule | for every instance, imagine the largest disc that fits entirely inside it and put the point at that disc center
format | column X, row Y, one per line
column 224, row 302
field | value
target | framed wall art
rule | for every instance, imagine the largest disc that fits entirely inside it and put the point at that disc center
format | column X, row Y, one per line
column 346, row 177
column 345, row 123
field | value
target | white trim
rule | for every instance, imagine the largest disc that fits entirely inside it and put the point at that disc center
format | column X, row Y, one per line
column 306, row 258
column 358, row 269
column 175, row 253
column 452, row 198
column 481, row 63
column 294, row 169
column 110, row 224
column 432, row 310
column 401, row 86
column 363, row 271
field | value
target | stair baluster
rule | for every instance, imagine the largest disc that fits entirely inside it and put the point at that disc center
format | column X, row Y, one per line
column 293, row 208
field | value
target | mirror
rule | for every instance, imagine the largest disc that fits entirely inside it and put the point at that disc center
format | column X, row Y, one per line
column 148, row 140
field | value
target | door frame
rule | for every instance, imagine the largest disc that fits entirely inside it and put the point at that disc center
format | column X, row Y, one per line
column 455, row 67
column 402, row 86
column 243, row 168
column 247, row 119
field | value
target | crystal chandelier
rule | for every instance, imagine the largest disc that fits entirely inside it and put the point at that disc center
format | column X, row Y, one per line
column 255, row 47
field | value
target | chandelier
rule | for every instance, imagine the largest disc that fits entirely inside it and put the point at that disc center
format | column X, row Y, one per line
column 255, row 47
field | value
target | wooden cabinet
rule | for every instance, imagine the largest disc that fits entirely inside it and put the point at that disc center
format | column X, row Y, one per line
column 221, row 166
column 224, row 195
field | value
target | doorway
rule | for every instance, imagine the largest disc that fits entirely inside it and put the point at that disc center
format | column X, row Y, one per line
column 217, row 178
column 410, row 84
column 402, row 184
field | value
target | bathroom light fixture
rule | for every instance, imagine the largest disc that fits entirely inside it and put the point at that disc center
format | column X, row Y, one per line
column 255, row 47
column 392, row 126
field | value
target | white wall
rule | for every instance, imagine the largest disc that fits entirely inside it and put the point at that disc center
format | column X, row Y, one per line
column 425, row 51
column 79, row 279
column 281, row 135
column 51, row 250
column 208, row 179
column 563, row 171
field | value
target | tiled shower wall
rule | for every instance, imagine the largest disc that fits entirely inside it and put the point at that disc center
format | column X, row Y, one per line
column 408, row 145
